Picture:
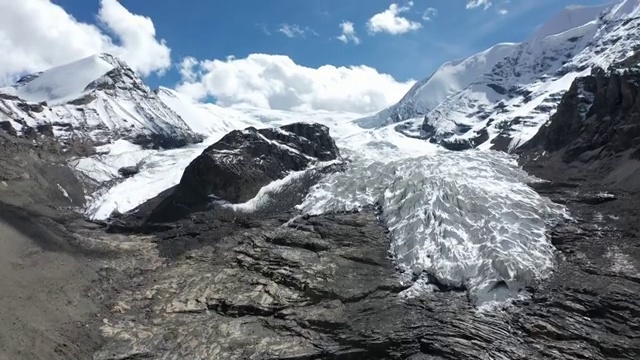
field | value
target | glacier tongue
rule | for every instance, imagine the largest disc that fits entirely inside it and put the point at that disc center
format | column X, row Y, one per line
column 467, row 219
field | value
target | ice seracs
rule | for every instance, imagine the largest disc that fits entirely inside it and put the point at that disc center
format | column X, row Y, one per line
column 467, row 220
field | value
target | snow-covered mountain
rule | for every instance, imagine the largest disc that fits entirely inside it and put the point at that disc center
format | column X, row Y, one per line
column 205, row 118
column 98, row 98
column 447, row 80
column 505, row 106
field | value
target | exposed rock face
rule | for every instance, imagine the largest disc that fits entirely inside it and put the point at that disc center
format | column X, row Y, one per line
column 243, row 161
column 128, row 171
column 595, row 134
column 8, row 128
column 601, row 111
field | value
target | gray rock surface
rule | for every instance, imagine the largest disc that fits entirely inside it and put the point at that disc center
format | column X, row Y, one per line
column 234, row 287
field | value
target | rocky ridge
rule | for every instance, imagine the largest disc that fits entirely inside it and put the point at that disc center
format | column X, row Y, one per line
column 235, row 168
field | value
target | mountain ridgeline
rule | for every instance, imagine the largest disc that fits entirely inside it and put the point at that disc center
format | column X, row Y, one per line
column 90, row 102
column 504, row 102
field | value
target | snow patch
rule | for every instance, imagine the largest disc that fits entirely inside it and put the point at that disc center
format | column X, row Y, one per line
column 64, row 192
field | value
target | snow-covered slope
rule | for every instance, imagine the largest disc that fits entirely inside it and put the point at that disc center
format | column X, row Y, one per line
column 162, row 169
column 506, row 106
column 100, row 98
column 66, row 82
column 204, row 118
column 449, row 79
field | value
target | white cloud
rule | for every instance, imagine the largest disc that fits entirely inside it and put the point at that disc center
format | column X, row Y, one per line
column 139, row 48
column 277, row 82
column 188, row 68
column 348, row 33
column 390, row 22
column 293, row 31
column 37, row 34
column 503, row 11
column 471, row 4
column 429, row 14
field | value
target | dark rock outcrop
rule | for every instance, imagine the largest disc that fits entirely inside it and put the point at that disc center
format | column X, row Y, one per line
column 29, row 133
column 8, row 128
column 595, row 134
column 164, row 140
column 31, row 107
column 45, row 129
column 128, row 171
column 600, row 111
column 466, row 144
column 236, row 167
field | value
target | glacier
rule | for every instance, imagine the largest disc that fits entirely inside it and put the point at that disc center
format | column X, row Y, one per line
column 467, row 219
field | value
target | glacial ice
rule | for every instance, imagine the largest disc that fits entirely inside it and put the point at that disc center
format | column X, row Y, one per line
column 468, row 219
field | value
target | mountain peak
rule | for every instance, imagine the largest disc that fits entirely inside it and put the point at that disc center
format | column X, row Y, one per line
column 66, row 82
column 115, row 61
column 450, row 78
column 624, row 9
column 568, row 18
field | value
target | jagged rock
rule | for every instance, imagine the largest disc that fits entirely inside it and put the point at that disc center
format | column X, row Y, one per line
column 128, row 171
column 243, row 161
column 459, row 145
column 28, row 107
column 8, row 128
column 598, row 121
column 45, row 129
column 29, row 132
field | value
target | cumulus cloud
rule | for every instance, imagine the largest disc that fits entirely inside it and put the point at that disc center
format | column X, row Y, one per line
column 391, row 22
column 293, row 31
column 137, row 35
column 37, row 34
column 429, row 14
column 188, row 68
column 471, row 4
column 277, row 82
column 348, row 33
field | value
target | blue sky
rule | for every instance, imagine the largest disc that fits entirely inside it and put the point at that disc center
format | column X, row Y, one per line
column 215, row 29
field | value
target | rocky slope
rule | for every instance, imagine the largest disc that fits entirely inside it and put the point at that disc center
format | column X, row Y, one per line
column 239, row 165
column 230, row 284
column 595, row 134
column 224, row 266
